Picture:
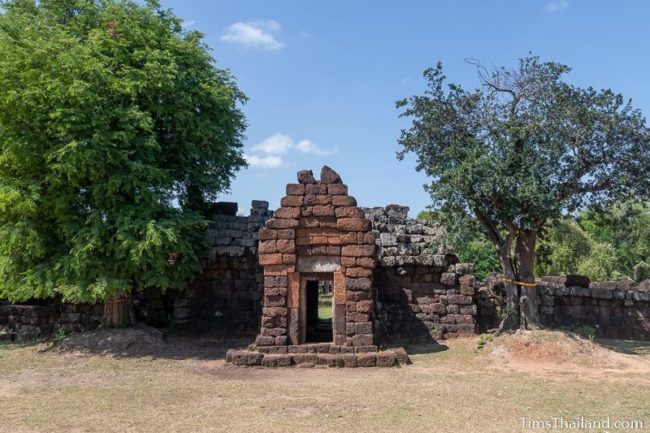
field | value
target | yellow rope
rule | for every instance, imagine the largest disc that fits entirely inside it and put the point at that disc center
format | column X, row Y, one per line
column 519, row 283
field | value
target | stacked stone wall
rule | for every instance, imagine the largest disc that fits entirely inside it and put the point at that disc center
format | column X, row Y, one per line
column 422, row 294
column 32, row 322
column 226, row 297
column 615, row 309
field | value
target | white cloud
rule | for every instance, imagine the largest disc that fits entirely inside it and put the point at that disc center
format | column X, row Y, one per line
column 254, row 34
column 269, row 161
column 278, row 144
column 270, row 152
column 309, row 147
column 275, row 144
column 556, row 6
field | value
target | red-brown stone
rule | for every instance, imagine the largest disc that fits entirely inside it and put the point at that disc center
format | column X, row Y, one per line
column 353, row 224
column 295, row 189
column 279, row 223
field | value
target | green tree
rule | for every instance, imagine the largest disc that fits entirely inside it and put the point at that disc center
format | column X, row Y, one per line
column 567, row 248
column 522, row 149
column 115, row 129
column 627, row 227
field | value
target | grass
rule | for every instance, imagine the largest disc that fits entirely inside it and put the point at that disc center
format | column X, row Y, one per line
column 453, row 390
column 324, row 312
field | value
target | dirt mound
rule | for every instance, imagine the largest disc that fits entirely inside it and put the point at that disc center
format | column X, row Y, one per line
column 126, row 342
column 558, row 353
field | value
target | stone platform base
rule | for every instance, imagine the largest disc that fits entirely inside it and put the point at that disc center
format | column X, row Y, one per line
column 320, row 354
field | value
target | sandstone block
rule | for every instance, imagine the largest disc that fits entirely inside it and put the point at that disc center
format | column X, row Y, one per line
column 349, row 360
column 274, row 311
column 285, row 246
column 291, row 201
column 323, row 210
column 329, row 176
column 354, row 316
column 358, row 272
column 364, row 307
column 337, row 189
column 366, row 262
column 349, row 212
column 386, row 359
column 401, row 356
column 353, row 224
column 287, row 213
column 356, row 296
column 279, row 223
column 275, row 301
column 343, row 200
column 266, row 234
column 366, row 359
column 264, row 340
column 306, row 177
column 267, row 247
column 286, row 234
column 270, row 259
column 358, row 250
column 362, row 340
column 295, row 189
column 363, row 328
column 448, row 278
column 349, row 238
column 358, row 283
column 316, row 189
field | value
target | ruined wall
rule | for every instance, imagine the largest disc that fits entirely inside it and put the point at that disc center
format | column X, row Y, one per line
column 615, row 309
column 226, row 297
column 32, row 322
column 421, row 295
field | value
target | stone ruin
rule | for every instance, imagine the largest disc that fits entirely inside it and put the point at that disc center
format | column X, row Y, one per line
column 319, row 236
column 389, row 287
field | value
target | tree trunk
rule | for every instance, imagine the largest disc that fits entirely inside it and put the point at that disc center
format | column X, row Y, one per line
column 529, row 300
column 511, row 315
column 118, row 312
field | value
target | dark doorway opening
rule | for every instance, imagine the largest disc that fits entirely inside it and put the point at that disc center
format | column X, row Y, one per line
column 318, row 296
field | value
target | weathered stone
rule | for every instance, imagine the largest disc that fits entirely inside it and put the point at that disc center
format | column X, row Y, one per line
column 306, row 177
column 282, row 223
column 358, row 283
column 291, row 201
column 385, row 359
column 448, row 278
column 358, row 250
column 287, row 213
column 366, row 359
column 353, row 224
column 295, row 189
column 337, row 189
column 342, row 200
column 327, row 176
column 401, row 356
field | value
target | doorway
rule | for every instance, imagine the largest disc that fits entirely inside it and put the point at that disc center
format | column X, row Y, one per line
column 317, row 289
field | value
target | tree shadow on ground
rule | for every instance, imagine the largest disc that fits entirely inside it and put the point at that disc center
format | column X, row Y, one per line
column 628, row 347
column 143, row 341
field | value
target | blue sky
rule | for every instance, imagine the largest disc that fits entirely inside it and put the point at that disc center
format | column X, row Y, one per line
column 323, row 77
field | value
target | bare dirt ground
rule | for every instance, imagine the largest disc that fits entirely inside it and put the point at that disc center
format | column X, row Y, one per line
column 453, row 387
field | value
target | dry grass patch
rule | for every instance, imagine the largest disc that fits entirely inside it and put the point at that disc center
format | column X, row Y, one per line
column 458, row 389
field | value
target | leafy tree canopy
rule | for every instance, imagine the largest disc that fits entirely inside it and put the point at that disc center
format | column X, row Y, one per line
column 524, row 148
column 115, row 129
